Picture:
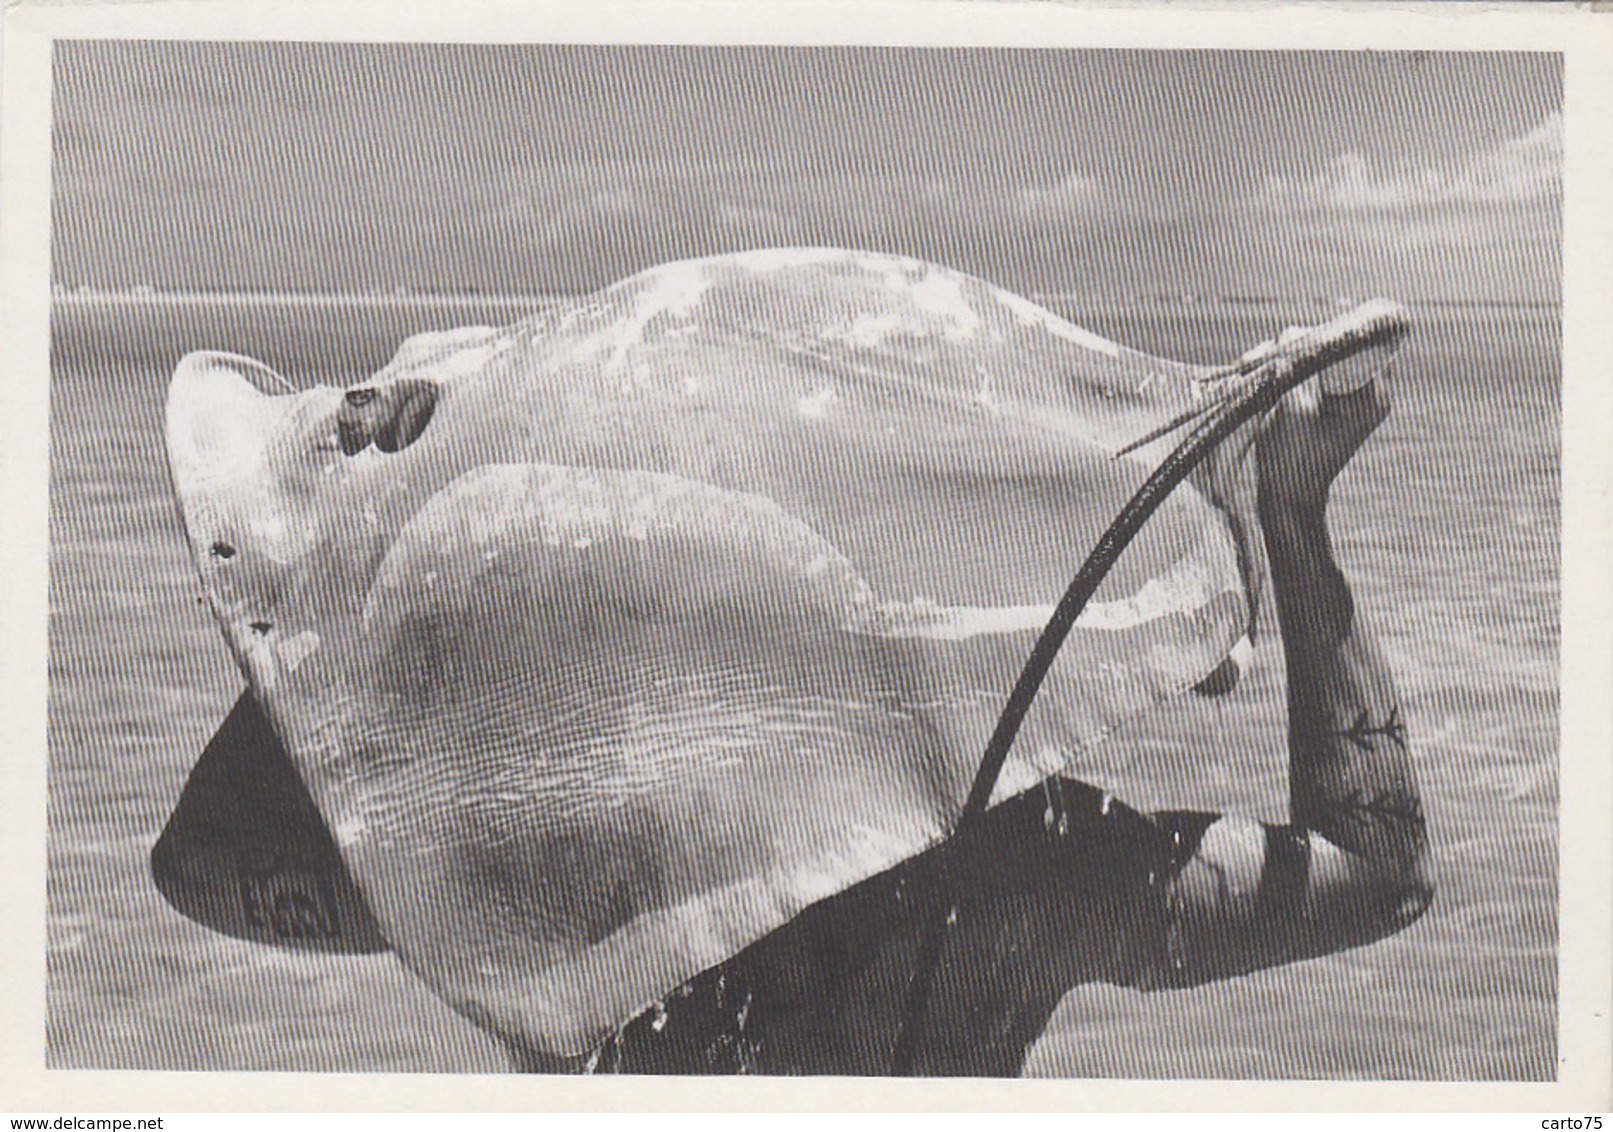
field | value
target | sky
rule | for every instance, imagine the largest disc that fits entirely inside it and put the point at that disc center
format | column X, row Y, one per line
column 526, row 169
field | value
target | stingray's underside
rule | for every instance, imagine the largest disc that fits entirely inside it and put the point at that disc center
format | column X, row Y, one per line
column 606, row 643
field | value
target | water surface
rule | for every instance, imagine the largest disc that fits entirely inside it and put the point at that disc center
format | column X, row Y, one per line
column 1448, row 524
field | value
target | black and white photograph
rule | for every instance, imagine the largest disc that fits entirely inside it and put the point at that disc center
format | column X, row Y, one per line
column 805, row 559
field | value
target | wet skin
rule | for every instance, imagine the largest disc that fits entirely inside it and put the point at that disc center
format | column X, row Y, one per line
column 1064, row 886
column 1067, row 885
column 643, row 646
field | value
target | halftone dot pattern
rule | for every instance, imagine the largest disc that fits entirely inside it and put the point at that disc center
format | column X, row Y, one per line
column 138, row 683
column 1188, row 205
column 316, row 167
column 1454, row 558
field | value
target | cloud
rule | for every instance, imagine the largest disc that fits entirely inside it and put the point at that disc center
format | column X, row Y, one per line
column 1528, row 167
column 768, row 203
column 616, row 202
column 1071, row 194
column 1526, row 170
column 752, row 219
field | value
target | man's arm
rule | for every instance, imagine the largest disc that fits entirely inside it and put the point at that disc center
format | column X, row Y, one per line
column 1352, row 865
column 1350, row 772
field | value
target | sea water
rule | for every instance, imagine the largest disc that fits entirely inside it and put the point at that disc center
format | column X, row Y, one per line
column 1448, row 525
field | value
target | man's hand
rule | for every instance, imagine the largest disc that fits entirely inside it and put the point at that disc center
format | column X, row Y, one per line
column 1314, row 431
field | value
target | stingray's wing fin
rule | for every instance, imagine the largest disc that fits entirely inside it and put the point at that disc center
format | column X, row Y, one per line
column 620, row 725
column 246, row 853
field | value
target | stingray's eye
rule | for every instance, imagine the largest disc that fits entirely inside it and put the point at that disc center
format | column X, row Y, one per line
column 410, row 406
column 222, row 550
column 391, row 418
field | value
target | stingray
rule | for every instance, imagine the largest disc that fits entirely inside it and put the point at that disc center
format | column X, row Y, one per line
column 585, row 652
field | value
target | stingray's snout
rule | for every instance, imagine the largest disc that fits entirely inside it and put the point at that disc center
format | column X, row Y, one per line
column 233, row 429
column 390, row 416
column 222, row 411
